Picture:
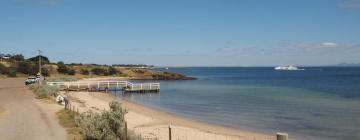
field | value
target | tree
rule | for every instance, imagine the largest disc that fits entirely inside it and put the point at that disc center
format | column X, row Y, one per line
column 35, row 59
column 3, row 69
column 27, row 67
column 62, row 68
column 71, row 72
column 45, row 72
column 98, row 71
column 12, row 72
column 84, row 71
column 112, row 71
column 17, row 57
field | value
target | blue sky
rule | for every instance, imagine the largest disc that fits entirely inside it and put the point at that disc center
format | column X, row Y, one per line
column 184, row 32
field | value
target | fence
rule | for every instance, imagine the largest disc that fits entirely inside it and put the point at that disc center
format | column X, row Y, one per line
column 172, row 132
column 108, row 85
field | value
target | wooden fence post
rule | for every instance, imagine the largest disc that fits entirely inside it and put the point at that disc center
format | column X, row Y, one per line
column 281, row 136
column 69, row 106
column 126, row 134
column 169, row 132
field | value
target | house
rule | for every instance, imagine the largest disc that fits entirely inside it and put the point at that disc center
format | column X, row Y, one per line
column 4, row 57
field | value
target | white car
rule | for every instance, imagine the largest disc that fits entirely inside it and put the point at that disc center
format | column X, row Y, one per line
column 31, row 80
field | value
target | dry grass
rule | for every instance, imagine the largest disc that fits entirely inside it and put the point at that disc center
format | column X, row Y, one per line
column 2, row 110
column 2, row 76
column 66, row 119
column 48, row 100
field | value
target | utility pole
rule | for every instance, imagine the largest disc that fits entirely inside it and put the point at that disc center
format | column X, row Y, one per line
column 39, row 66
column 39, row 62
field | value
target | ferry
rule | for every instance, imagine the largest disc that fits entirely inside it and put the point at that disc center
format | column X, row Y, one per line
column 287, row 67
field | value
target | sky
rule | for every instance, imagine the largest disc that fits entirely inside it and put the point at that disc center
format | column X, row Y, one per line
column 184, row 32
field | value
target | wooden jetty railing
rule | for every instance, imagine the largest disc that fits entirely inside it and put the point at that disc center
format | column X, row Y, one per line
column 126, row 86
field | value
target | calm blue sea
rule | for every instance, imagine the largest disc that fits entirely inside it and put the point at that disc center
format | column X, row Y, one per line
column 316, row 103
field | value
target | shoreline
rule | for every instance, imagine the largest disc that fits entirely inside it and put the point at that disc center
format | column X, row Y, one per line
column 150, row 122
column 192, row 123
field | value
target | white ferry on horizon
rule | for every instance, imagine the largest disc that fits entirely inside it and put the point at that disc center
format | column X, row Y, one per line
column 287, row 67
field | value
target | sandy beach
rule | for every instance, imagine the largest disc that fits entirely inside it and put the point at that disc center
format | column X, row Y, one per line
column 152, row 124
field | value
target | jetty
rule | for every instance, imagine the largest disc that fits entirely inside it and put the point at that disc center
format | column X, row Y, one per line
column 125, row 86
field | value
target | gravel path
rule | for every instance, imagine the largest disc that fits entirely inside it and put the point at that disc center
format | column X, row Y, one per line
column 24, row 117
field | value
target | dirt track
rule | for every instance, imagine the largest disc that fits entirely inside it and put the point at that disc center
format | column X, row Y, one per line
column 24, row 117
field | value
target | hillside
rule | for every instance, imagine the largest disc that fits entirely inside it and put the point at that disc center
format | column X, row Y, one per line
column 18, row 66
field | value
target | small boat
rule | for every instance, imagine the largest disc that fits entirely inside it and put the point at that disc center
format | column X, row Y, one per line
column 287, row 67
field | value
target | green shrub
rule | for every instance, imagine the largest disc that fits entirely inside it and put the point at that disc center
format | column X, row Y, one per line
column 11, row 72
column 27, row 67
column 62, row 68
column 112, row 71
column 3, row 69
column 71, row 72
column 45, row 72
column 35, row 59
column 98, row 71
column 17, row 57
column 109, row 125
column 84, row 71
column 44, row 91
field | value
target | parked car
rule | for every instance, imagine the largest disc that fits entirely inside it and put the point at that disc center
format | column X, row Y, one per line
column 31, row 80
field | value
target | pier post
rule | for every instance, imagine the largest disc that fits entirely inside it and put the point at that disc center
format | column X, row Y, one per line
column 169, row 132
column 281, row 136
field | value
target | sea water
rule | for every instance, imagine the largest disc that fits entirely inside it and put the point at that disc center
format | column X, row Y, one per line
column 315, row 103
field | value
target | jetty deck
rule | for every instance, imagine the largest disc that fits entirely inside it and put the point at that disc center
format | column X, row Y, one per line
column 124, row 86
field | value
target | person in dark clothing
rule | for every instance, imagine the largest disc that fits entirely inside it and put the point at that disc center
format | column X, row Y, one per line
column 66, row 100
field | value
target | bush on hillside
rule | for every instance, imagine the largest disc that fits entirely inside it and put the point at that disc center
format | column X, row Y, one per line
column 44, row 91
column 45, row 72
column 112, row 71
column 109, row 125
column 98, row 71
column 71, row 72
column 11, row 72
column 84, row 71
column 62, row 68
column 3, row 69
column 17, row 57
column 27, row 67
column 35, row 59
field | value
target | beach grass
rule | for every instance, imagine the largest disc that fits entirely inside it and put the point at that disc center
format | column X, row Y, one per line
column 67, row 120
column 44, row 91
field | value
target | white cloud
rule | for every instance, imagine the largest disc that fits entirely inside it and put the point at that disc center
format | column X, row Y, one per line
column 290, row 48
column 329, row 45
column 313, row 46
column 350, row 4
column 49, row 2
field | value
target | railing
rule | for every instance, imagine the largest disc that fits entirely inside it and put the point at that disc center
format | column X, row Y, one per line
column 107, row 84
column 164, row 132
